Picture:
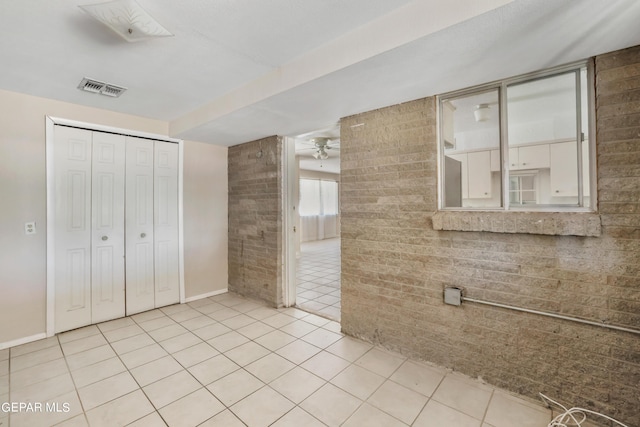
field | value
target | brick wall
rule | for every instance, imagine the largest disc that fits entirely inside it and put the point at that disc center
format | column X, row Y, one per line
column 254, row 220
column 395, row 265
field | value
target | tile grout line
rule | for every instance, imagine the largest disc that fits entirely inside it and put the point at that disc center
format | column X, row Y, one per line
column 364, row 401
column 76, row 389
column 486, row 410
column 297, row 365
column 430, row 397
column 138, row 323
column 140, row 387
column 128, row 371
column 101, row 332
column 324, row 349
column 59, row 346
column 157, row 410
column 220, row 353
column 243, row 368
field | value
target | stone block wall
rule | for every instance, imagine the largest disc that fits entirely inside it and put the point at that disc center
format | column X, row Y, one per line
column 255, row 226
column 395, row 264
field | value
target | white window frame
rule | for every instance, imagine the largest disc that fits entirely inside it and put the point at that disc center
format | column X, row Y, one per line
column 501, row 87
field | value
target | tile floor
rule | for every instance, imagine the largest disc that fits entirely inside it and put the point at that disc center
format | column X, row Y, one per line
column 318, row 273
column 228, row 361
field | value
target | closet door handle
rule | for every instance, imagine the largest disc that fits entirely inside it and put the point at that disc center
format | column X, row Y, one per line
column 105, row 238
column 143, row 235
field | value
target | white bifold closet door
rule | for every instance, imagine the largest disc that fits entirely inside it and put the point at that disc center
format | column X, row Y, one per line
column 165, row 212
column 89, row 227
column 139, row 228
column 107, row 224
column 116, row 226
column 152, row 224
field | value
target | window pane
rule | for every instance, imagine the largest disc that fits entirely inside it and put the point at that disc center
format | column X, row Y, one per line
column 523, row 189
column 329, row 191
column 309, row 197
column 543, row 138
column 586, row 158
column 471, row 143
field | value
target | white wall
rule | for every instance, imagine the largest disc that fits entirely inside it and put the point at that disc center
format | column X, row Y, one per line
column 205, row 218
column 308, row 174
column 23, row 199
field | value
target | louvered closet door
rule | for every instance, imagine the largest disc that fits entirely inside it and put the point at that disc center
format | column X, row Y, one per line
column 167, row 290
column 140, row 280
column 107, row 212
column 72, row 233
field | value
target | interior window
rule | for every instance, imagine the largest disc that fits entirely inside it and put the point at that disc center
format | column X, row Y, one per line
column 471, row 132
column 529, row 133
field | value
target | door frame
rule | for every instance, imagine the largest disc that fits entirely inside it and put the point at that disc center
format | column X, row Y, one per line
column 51, row 122
column 290, row 228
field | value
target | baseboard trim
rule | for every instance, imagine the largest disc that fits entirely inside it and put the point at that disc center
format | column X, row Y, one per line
column 23, row 340
column 208, row 294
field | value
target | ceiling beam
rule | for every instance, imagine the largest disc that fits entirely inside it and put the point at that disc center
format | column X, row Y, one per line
column 399, row 27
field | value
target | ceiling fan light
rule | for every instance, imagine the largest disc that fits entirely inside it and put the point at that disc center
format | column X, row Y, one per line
column 320, row 154
column 127, row 19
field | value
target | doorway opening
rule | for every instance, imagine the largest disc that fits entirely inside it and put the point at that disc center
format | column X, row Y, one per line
column 317, row 220
column 318, row 277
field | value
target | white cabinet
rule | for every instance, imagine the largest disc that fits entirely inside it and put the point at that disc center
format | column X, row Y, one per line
column 476, row 167
column 495, row 161
column 115, row 216
column 529, row 157
column 564, row 169
column 462, row 158
column 479, row 174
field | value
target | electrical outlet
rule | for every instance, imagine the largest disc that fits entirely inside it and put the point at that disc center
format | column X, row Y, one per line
column 30, row 228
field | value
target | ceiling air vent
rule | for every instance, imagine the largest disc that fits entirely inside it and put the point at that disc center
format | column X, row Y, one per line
column 89, row 85
column 96, row 86
column 112, row 90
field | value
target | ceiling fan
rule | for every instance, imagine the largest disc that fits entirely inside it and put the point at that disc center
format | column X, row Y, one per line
column 321, row 145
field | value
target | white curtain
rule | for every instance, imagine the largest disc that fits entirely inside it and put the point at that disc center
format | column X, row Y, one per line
column 309, row 197
column 329, row 197
column 318, row 227
column 318, row 209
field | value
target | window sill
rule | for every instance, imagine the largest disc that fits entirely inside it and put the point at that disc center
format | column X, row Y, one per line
column 547, row 223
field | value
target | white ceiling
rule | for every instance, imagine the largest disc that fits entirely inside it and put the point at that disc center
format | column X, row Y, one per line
column 238, row 70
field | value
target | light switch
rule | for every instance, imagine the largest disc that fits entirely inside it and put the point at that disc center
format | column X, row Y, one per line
column 30, row 228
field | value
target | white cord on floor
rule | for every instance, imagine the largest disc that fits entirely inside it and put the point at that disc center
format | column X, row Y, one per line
column 569, row 415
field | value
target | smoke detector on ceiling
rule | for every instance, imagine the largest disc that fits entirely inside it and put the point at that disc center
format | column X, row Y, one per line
column 96, row 86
